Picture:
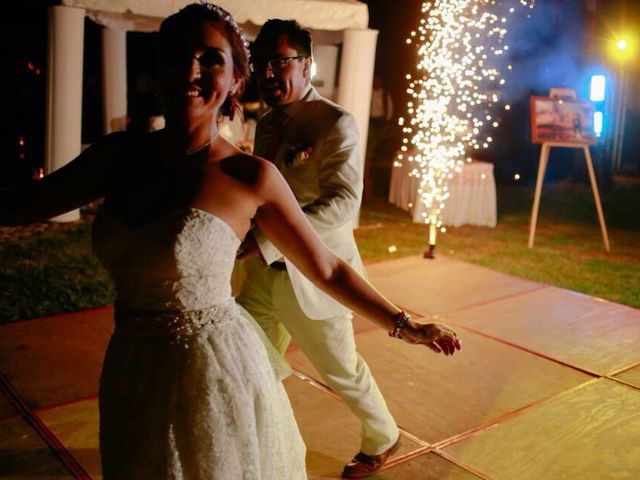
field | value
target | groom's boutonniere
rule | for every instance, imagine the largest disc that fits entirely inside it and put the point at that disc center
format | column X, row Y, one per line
column 298, row 155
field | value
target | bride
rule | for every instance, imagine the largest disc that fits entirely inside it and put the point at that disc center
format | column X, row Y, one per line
column 187, row 388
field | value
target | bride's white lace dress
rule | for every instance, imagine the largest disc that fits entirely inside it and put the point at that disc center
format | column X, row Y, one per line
column 187, row 390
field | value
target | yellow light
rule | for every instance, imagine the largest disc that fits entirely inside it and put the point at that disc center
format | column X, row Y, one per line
column 623, row 47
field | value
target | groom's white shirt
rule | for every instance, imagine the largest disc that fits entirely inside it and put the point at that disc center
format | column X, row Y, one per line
column 328, row 186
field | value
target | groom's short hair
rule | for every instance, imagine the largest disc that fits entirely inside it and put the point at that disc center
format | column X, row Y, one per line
column 297, row 37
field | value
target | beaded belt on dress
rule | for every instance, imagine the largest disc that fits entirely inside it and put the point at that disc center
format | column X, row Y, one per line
column 179, row 324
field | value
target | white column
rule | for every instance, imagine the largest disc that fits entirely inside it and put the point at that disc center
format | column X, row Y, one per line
column 325, row 58
column 114, row 79
column 356, row 77
column 64, row 91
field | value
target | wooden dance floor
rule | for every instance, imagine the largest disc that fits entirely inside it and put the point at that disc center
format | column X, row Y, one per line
column 547, row 385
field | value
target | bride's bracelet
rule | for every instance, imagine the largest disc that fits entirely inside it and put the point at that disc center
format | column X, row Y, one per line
column 401, row 320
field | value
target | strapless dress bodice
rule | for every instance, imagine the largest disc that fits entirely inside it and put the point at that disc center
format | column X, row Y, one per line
column 181, row 261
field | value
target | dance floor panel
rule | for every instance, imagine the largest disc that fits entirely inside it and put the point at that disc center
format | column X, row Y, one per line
column 631, row 376
column 591, row 433
column 56, row 360
column 330, row 431
column 516, row 403
column 76, row 426
column 6, row 407
column 435, row 397
column 427, row 287
column 23, row 454
column 429, row 466
column 586, row 332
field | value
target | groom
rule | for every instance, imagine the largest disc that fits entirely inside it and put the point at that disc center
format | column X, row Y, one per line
column 314, row 144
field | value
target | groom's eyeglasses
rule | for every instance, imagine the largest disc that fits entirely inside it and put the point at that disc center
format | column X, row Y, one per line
column 276, row 64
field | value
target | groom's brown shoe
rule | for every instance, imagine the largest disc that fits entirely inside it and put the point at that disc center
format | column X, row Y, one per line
column 364, row 465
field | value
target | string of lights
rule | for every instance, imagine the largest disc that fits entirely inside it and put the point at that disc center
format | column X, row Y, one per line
column 453, row 93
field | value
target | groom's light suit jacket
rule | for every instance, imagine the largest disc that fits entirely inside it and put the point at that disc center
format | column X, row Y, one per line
column 327, row 185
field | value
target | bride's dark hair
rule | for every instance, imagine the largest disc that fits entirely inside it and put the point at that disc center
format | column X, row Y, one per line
column 188, row 18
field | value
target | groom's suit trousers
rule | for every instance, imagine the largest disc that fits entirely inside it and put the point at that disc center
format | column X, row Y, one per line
column 329, row 344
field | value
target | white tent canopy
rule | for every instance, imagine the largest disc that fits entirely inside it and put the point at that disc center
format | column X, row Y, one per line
column 346, row 18
column 315, row 14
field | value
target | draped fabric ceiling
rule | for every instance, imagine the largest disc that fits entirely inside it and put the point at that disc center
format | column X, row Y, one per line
column 144, row 15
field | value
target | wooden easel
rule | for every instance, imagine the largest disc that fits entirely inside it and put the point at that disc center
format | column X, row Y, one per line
column 542, row 166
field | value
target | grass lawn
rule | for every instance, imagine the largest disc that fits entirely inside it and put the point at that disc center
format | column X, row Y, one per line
column 54, row 271
column 51, row 272
column 568, row 252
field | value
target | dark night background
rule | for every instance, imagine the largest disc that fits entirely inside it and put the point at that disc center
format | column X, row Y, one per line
column 557, row 46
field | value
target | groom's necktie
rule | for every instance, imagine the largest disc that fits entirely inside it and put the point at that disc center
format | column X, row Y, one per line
column 276, row 134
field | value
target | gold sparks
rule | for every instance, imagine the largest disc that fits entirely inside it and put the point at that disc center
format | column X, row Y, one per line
column 453, row 92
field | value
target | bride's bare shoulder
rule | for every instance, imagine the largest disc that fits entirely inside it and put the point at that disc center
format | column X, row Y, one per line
column 249, row 169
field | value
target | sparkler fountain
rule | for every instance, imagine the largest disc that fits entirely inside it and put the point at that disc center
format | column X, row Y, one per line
column 453, row 93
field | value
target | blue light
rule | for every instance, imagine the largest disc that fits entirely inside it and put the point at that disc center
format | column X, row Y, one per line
column 598, row 123
column 598, row 88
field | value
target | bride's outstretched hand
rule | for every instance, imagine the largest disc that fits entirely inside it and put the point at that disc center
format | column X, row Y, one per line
column 437, row 336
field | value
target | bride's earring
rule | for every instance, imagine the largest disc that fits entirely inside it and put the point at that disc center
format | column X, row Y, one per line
column 228, row 107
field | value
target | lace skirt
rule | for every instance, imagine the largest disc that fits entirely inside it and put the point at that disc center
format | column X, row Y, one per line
column 194, row 395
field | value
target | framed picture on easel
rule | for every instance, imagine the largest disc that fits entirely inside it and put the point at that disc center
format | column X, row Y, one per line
column 555, row 119
column 562, row 121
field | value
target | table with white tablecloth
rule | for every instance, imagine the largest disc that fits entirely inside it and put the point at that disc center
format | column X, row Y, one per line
column 472, row 195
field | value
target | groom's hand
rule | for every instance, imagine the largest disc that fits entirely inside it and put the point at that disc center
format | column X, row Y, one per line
column 248, row 248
